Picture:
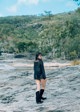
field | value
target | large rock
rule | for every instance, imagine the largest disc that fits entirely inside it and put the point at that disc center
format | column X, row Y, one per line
column 17, row 91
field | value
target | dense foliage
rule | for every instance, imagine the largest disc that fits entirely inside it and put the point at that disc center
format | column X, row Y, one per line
column 54, row 35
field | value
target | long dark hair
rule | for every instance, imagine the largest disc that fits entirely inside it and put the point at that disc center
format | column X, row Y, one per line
column 37, row 54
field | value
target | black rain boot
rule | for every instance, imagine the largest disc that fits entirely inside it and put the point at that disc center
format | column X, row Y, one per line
column 38, row 100
column 41, row 93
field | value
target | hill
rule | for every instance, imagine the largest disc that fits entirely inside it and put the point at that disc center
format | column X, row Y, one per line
column 53, row 35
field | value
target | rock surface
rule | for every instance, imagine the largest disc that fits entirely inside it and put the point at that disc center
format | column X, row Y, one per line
column 17, row 90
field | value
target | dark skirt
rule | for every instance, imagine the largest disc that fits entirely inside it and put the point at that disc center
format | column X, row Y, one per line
column 39, row 77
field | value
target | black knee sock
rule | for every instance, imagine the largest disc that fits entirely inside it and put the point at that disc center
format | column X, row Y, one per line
column 38, row 99
column 41, row 93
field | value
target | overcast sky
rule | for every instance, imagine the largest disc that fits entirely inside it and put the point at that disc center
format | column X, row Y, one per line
column 32, row 7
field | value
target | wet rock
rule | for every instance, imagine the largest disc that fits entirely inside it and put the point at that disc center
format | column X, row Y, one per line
column 19, row 56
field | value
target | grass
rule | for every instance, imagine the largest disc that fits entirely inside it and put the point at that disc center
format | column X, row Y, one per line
column 75, row 62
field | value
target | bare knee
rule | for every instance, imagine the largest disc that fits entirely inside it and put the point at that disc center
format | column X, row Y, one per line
column 38, row 85
column 43, row 83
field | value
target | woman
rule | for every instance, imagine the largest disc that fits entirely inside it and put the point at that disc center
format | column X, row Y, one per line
column 40, row 78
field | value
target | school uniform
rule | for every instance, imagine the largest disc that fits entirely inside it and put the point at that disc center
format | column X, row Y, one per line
column 39, row 71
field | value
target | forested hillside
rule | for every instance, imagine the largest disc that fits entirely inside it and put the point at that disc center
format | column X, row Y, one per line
column 53, row 35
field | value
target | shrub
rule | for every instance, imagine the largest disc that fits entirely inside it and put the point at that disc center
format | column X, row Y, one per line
column 73, row 55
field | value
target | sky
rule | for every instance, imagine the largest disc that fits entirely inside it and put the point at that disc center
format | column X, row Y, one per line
column 35, row 7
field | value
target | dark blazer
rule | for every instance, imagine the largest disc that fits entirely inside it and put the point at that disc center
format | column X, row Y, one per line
column 39, row 71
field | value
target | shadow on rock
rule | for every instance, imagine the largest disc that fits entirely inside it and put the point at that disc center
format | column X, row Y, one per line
column 55, row 111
